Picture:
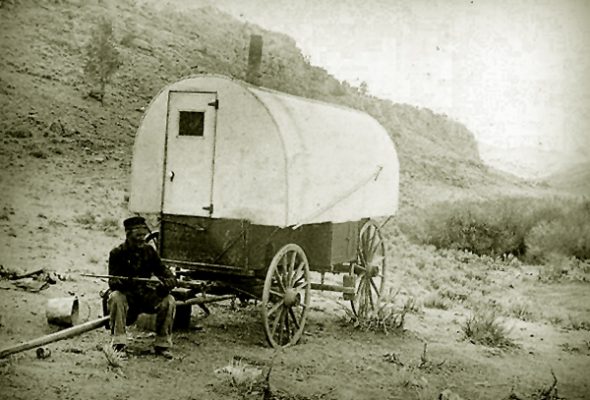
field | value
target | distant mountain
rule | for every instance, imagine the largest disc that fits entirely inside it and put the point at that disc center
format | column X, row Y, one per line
column 532, row 162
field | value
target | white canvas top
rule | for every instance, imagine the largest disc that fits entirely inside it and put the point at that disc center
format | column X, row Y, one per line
column 277, row 159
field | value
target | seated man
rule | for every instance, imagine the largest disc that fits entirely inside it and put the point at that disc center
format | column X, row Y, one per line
column 129, row 298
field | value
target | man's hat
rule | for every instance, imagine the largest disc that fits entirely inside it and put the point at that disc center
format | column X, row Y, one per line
column 134, row 222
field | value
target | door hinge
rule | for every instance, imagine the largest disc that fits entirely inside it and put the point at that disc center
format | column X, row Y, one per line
column 214, row 104
column 209, row 208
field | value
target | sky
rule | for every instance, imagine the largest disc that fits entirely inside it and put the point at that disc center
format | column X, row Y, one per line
column 516, row 73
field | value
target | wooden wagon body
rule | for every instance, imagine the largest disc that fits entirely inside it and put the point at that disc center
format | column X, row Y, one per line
column 251, row 183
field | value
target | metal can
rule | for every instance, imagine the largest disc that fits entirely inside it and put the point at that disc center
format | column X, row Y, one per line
column 43, row 352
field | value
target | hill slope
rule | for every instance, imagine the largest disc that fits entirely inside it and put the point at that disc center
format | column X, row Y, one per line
column 575, row 179
column 41, row 82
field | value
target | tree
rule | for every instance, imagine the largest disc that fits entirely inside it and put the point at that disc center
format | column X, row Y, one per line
column 363, row 88
column 102, row 57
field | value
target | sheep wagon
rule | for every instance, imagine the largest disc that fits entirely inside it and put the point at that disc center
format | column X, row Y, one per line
column 256, row 189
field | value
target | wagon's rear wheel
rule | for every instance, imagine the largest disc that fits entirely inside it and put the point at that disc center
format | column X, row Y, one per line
column 370, row 270
column 285, row 297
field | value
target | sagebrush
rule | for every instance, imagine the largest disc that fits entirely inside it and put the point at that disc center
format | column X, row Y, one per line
column 484, row 327
column 531, row 228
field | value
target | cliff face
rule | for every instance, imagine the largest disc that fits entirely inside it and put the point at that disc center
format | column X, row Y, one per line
column 42, row 85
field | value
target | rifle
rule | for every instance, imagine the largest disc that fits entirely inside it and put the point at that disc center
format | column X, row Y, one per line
column 182, row 284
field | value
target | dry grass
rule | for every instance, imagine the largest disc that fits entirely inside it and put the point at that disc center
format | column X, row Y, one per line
column 114, row 358
column 436, row 300
column 521, row 309
column 389, row 315
column 87, row 219
column 544, row 393
column 577, row 324
column 485, row 328
column 241, row 375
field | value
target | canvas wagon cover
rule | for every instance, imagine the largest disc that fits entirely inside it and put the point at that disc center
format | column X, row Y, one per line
column 276, row 159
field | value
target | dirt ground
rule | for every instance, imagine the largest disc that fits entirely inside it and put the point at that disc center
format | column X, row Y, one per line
column 65, row 218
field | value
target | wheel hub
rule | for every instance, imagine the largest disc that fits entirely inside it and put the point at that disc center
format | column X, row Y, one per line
column 372, row 270
column 291, row 298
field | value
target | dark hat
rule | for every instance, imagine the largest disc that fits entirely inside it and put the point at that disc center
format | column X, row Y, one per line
column 134, row 222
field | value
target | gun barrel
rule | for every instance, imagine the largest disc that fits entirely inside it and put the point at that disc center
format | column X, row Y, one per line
column 182, row 284
column 119, row 277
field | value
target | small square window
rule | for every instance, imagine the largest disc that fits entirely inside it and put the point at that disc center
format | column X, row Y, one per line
column 191, row 123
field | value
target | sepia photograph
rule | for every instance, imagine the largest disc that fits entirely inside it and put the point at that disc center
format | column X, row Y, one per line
column 295, row 199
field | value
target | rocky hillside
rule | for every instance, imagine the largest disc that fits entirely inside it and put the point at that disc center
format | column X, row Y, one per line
column 48, row 114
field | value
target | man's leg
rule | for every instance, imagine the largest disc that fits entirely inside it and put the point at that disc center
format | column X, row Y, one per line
column 118, row 308
column 165, row 312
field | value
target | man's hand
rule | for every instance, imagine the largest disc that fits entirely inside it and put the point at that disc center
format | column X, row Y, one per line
column 154, row 281
column 169, row 283
column 119, row 283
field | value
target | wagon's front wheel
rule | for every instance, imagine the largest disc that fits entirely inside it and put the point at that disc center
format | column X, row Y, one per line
column 286, row 295
column 370, row 270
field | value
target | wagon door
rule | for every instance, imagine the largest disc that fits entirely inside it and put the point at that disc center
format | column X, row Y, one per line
column 190, row 153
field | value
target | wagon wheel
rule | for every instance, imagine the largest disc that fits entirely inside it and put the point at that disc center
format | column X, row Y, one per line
column 285, row 297
column 370, row 270
column 152, row 239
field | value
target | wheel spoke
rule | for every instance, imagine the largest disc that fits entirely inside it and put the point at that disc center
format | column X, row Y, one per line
column 287, row 326
column 299, row 273
column 301, row 286
column 359, row 287
column 377, row 260
column 276, row 321
column 275, row 307
column 297, row 281
column 279, row 279
column 367, row 297
column 370, row 296
column 374, row 285
column 294, row 318
column 281, row 324
column 374, row 253
column 291, row 271
column 372, row 243
column 281, row 295
column 361, row 268
column 362, row 259
column 360, row 293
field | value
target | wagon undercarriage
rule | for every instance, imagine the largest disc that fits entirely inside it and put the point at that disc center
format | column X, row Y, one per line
column 284, row 287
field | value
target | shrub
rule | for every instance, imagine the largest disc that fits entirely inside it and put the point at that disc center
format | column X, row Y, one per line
column 557, row 267
column 436, row 300
column 387, row 316
column 520, row 309
column 567, row 235
column 517, row 226
column 102, row 58
column 484, row 327
column 110, row 226
column 87, row 219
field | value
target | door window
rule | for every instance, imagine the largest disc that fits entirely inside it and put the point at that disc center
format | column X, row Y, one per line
column 191, row 123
